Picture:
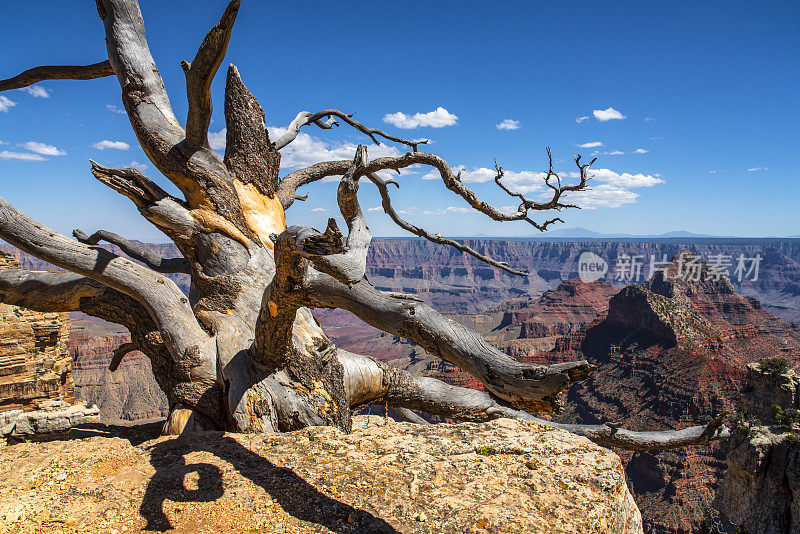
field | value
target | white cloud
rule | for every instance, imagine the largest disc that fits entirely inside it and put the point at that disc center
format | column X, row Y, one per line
column 449, row 209
column 581, row 119
column 522, row 181
column 320, row 210
column 756, row 169
column 25, row 156
column 438, row 118
column 641, row 151
column 625, row 180
column 376, row 208
column 508, row 124
column 713, row 172
column 615, row 153
column 593, row 144
column 602, row 196
column 608, row 114
column 216, row 140
column 115, row 109
column 137, row 165
column 649, row 119
column 306, row 150
column 104, row 144
column 6, row 104
column 36, row 91
column 43, row 149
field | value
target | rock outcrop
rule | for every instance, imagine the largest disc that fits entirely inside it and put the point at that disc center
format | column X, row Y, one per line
column 37, row 392
column 503, row 476
column 760, row 492
column 34, row 360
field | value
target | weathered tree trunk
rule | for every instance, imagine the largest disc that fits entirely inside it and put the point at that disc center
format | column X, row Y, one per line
column 243, row 351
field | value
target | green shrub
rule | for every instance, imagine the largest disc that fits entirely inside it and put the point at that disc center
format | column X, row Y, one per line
column 775, row 366
column 778, row 414
column 791, row 415
column 486, row 450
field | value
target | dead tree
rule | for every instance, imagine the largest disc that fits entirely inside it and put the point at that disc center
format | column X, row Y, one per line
column 243, row 351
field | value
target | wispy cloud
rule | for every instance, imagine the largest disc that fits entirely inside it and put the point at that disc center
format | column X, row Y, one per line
column 625, row 180
column 438, row 118
column 649, row 119
column 714, row 172
column 449, row 209
column 115, row 109
column 581, row 119
column 601, row 196
column 25, row 156
column 607, row 114
column 36, row 91
column 320, row 210
column 137, row 165
column 216, row 140
column 6, row 104
column 104, row 144
column 615, row 153
column 593, row 144
column 641, row 151
column 508, row 124
column 307, row 150
column 756, row 169
column 43, row 149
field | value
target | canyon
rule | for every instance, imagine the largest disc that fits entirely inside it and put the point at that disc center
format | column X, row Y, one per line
column 669, row 352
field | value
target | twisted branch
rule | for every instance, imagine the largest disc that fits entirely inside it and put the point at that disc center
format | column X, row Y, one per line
column 200, row 73
column 305, row 117
column 137, row 252
column 57, row 72
column 369, row 381
column 386, row 203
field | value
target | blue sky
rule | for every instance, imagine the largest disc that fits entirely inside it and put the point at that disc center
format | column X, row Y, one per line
column 708, row 92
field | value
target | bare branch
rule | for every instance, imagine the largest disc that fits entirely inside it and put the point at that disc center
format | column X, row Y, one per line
column 349, row 266
column 305, row 117
column 297, row 179
column 137, row 252
column 60, row 72
column 369, row 381
column 436, row 238
column 200, row 73
column 529, row 385
column 248, row 153
column 131, row 183
column 197, row 171
column 48, row 291
column 120, row 353
column 165, row 302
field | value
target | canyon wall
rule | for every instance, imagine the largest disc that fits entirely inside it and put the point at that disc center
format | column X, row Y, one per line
column 35, row 364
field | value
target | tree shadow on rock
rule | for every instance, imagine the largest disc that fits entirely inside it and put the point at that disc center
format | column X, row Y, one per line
column 294, row 494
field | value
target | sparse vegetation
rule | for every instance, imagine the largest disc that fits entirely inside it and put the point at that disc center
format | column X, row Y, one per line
column 775, row 366
column 486, row 450
column 791, row 415
column 777, row 413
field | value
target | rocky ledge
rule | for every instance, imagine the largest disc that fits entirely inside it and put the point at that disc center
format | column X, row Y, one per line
column 52, row 419
column 503, row 476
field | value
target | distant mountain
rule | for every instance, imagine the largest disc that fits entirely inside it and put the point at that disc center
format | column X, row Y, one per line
column 579, row 232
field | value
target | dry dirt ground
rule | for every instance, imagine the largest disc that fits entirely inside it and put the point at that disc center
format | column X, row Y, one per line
column 504, row 476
